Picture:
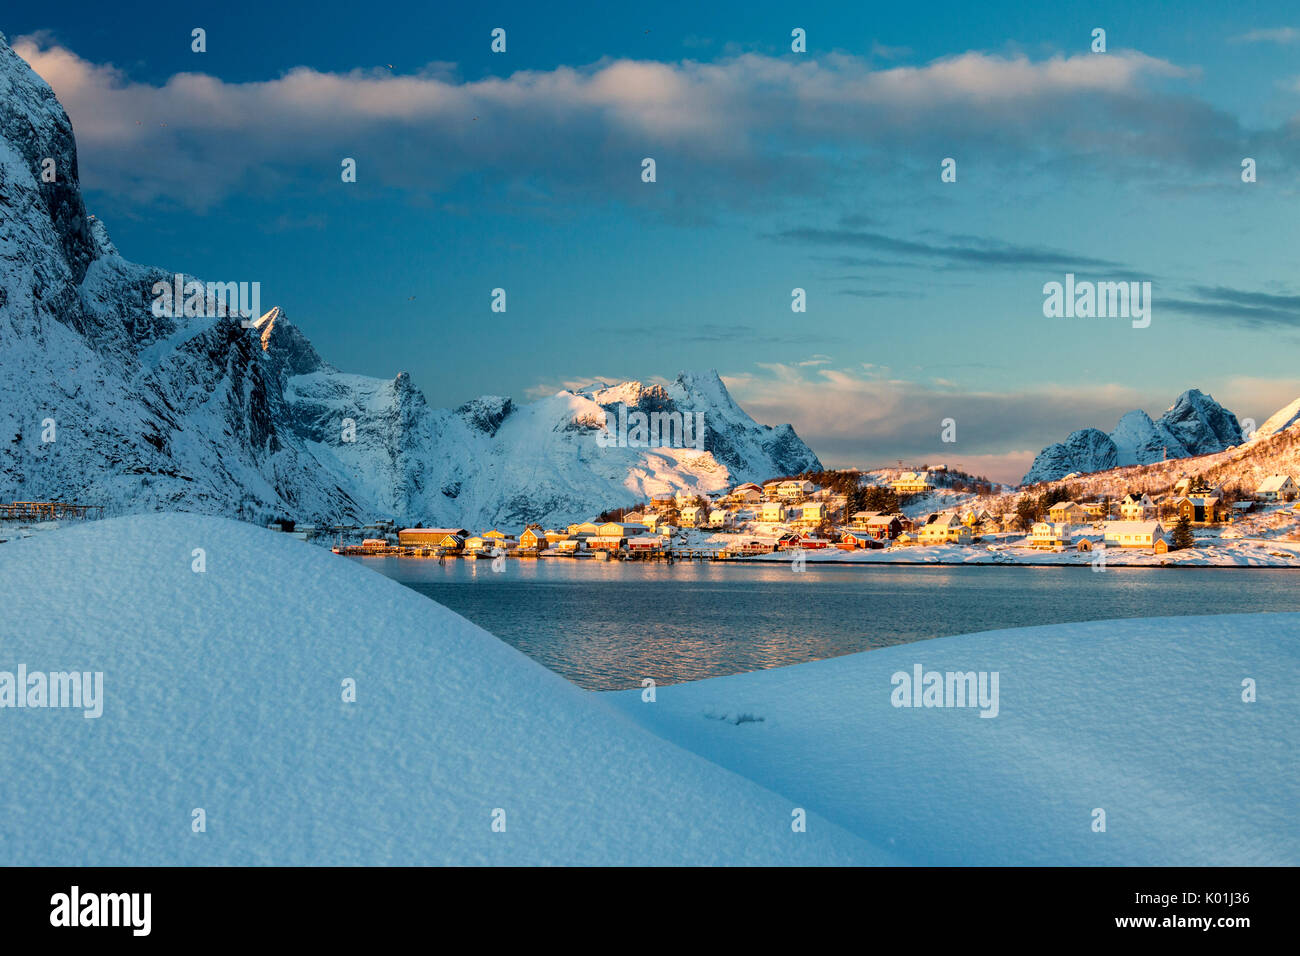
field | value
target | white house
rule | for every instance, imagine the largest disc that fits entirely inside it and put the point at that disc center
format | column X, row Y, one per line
column 1276, row 488
column 1046, row 535
column 1133, row 534
column 795, row 489
column 945, row 529
column 720, row 518
column 773, row 511
column 691, row 516
column 1134, row 508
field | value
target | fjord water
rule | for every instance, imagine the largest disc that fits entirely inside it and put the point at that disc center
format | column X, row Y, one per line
column 608, row 625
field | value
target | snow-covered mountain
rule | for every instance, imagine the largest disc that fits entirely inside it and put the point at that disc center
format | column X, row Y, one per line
column 1194, row 425
column 107, row 403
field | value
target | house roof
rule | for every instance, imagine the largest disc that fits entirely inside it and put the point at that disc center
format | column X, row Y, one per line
column 1273, row 483
column 944, row 520
column 1132, row 527
column 625, row 526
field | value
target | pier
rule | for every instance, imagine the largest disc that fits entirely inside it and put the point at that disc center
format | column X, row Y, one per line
column 47, row 511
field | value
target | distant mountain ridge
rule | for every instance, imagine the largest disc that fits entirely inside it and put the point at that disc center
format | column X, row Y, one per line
column 111, row 404
column 1194, row 425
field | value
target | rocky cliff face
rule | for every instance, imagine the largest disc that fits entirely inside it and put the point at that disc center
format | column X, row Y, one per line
column 108, row 403
column 1194, row 425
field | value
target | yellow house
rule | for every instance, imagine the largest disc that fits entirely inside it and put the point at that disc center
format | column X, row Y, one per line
column 772, row 511
column 812, row 512
column 910, row 483
column 691, row 516
column 1067, row 512
column 619, row 529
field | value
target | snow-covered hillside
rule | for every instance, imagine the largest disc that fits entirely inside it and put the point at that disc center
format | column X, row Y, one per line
column 1194, row 425
column 110, row 404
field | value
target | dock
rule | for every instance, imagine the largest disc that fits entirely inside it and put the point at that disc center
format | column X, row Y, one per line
column 47, row 511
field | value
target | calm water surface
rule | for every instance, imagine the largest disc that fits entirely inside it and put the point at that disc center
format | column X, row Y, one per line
column 605, row 626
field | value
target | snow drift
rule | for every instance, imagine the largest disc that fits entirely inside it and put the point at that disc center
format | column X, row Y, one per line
column 1143, row 719
column 222, row 691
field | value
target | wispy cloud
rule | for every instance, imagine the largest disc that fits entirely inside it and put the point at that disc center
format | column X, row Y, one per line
column 1283, row 35
column 734, row 129
column 958, row 251
column 1249, row 309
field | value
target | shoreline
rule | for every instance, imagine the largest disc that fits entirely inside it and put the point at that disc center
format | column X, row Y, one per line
column 764, row 561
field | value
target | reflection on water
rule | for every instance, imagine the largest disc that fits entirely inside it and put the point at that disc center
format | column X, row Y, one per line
column 607, row 626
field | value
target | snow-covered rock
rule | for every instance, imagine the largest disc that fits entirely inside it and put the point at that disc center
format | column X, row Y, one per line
column 1194, row 425
column 1088, row 449
column 109, row 404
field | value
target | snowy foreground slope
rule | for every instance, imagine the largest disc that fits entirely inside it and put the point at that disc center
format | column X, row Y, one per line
column 1141, row 718
column 222, row 691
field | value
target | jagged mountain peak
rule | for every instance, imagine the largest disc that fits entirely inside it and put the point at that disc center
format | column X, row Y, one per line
column 1195, row 424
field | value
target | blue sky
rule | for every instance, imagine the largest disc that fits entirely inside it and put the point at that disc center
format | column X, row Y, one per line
column 775, row 170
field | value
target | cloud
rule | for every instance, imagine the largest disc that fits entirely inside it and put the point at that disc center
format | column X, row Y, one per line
column 957, row 252
column 1282, row 35
column 738, row 130
column 1249, row 309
